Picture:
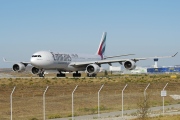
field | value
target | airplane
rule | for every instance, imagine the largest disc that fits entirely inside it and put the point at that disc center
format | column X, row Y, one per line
column 70, row 62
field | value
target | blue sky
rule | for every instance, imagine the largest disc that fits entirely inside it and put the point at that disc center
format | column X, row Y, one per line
column 145, row 28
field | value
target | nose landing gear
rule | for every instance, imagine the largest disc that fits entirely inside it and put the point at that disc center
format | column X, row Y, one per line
column 91, row 75
column 41, row 74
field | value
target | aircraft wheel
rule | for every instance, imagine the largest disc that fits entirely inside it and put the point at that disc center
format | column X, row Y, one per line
column 41, row 75
column 92, row 75
column 76, row 74
column 58, row 75
column 61, row 75
column 64, row 75
column 88, row 75
column 79, row 74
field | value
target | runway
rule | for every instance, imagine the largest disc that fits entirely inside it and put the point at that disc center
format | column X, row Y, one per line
column 13, row 77
column 5, row 75
column 128, row 114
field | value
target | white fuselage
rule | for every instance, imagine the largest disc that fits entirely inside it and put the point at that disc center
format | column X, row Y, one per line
column 60, row 61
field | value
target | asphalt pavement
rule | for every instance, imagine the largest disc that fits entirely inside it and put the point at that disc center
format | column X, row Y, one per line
column 128, row 114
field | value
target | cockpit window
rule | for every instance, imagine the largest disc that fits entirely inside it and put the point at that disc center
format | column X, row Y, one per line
column 36, row 55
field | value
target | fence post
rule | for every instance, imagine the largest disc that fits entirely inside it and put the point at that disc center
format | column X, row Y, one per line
column 163, row 94
column 73, row 102
column 11, row 99
column 44, row 104
column 145, row 91
column 123, row 99
column 98, row 99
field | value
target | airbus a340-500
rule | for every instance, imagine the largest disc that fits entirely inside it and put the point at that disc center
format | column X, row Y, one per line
column 65, row 62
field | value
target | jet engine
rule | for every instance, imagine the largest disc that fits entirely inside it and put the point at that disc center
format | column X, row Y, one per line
column 130, row 65
column 92, row 69
column 19, row 67
column 35, row 70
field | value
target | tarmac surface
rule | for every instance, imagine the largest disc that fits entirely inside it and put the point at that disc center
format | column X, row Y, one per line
column 128, row 114
column 3, row 75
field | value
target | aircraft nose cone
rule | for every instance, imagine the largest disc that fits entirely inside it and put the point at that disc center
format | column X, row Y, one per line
column 32, row 60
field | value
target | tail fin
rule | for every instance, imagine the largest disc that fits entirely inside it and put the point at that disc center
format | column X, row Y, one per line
column 102, row 46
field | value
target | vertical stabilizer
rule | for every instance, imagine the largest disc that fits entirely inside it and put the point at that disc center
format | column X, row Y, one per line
column 102, row 46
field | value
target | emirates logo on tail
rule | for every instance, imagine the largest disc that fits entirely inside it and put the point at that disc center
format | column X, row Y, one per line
column 102, row 46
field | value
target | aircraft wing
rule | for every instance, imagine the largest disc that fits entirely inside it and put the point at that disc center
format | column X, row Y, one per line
column 109, row 61
column 106, row 57
column 15, row 61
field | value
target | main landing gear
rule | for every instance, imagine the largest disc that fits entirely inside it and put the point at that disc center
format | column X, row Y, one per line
column 76, row 74
column 64, row 75
column 61, row 74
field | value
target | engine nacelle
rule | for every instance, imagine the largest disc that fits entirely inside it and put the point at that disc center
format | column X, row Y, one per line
column 130, row 65
column 35, row 70
column 92, row 69
column 19, row 67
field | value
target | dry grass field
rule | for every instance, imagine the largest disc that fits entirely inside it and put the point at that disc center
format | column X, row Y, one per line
column 28, row 100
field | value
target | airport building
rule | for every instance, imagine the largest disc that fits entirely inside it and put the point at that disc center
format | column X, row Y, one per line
column 174, row 69
column 115, row 68
column 169, row 69
column 137, row 70
column 154, row 69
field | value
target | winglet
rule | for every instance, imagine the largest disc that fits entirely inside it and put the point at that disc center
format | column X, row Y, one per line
column 25, row 63
column 175, row 54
